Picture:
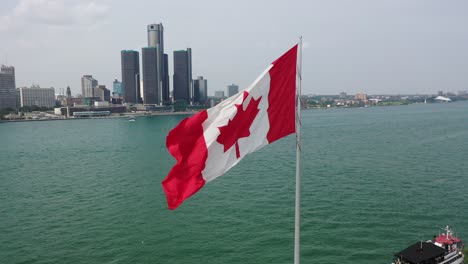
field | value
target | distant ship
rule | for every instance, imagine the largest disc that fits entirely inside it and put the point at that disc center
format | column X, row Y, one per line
column 444, row 249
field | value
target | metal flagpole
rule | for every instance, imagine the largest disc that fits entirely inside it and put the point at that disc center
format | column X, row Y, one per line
column 297, row 229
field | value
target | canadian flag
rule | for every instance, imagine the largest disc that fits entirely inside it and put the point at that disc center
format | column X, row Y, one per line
column 209, row 143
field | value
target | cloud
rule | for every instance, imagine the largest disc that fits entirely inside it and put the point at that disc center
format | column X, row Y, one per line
column 53, row 13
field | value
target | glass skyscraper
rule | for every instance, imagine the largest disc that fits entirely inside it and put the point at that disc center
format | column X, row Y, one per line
column 8, row 91
column 200, row 90
column 130, row 76
column 183, row 89
column 155, row 67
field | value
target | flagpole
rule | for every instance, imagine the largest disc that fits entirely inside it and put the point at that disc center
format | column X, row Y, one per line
column 297, row 229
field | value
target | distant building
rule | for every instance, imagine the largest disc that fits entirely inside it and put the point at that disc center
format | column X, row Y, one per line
column 69, row 95
column 183, row 89
column 361, row 96
column 102, row 94
column 117, row 88
column 155, row 67
column 343, row 95
column 130, row 63
column 462, row 93
column 200, row 90
column 232, row 90
column 166, row 95
column 88, row 85
column 151, row 75
column 440, row 93
column 36, row 96
column 8, row 94
column 219, row 94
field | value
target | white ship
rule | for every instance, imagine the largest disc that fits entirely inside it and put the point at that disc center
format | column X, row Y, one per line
column 444, row 249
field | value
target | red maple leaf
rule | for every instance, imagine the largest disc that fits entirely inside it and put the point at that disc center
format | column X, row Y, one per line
column 239, row 126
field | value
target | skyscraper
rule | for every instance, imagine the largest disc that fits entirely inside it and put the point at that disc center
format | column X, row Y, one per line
column 166, row 96
column 183, row 75
column 7, row 87
column 151, row 80
column 200, row 90
column 155, row 67
column 232, row 90
column 88, row 84
column 130, row 76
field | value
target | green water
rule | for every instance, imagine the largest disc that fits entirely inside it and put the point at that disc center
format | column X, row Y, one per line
column 374, row 181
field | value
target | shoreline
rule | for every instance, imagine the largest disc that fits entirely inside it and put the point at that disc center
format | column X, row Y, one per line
column 125, row 115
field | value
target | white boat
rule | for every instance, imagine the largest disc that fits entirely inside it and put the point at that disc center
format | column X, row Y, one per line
column 131, row 118
column 444, row 249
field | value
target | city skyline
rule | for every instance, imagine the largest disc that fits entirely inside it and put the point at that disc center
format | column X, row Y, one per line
column 396, row 47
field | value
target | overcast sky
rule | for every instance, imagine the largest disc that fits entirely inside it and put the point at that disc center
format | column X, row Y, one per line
column 371, row 46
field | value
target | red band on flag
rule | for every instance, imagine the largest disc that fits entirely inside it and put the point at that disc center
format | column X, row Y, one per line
column 187, row 145
column 282, row 96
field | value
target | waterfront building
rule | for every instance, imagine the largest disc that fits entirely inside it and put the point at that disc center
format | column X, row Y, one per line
column 166, row 95
column 8, row 93
column 361, row 96
column 183, row 87
column 88, row 85
column 232, row 90
column 200, row 90
column 102, row 93
column 117, row 89
column 219, row 94
column 343, row 95
column 155, row 67
column 37, row 96
column 130, row 64
column 151, row 75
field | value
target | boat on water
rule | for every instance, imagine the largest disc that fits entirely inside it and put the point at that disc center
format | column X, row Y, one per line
column 444, row 249
column 131, row 118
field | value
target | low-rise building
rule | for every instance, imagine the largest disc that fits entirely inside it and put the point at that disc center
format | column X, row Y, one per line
column 37, row 96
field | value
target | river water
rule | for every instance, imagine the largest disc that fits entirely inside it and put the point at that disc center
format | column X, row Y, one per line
column 374, row 180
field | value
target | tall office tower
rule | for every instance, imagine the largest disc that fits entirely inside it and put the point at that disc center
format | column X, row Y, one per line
column 155, row 70
column 183, row 89
column 166, row 95
column 200, row 90
column 151, row 77
column 156, row 36
column 8, row 91
column 88, row 84
column 232, row 90
column 130, row 76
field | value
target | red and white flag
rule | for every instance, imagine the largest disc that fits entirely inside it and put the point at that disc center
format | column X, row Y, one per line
column 211, row 142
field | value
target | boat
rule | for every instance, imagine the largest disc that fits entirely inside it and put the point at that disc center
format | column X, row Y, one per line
column 131, row 118
column 444, row 249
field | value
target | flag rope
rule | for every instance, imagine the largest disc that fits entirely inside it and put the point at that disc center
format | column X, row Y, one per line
column 297, row 229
